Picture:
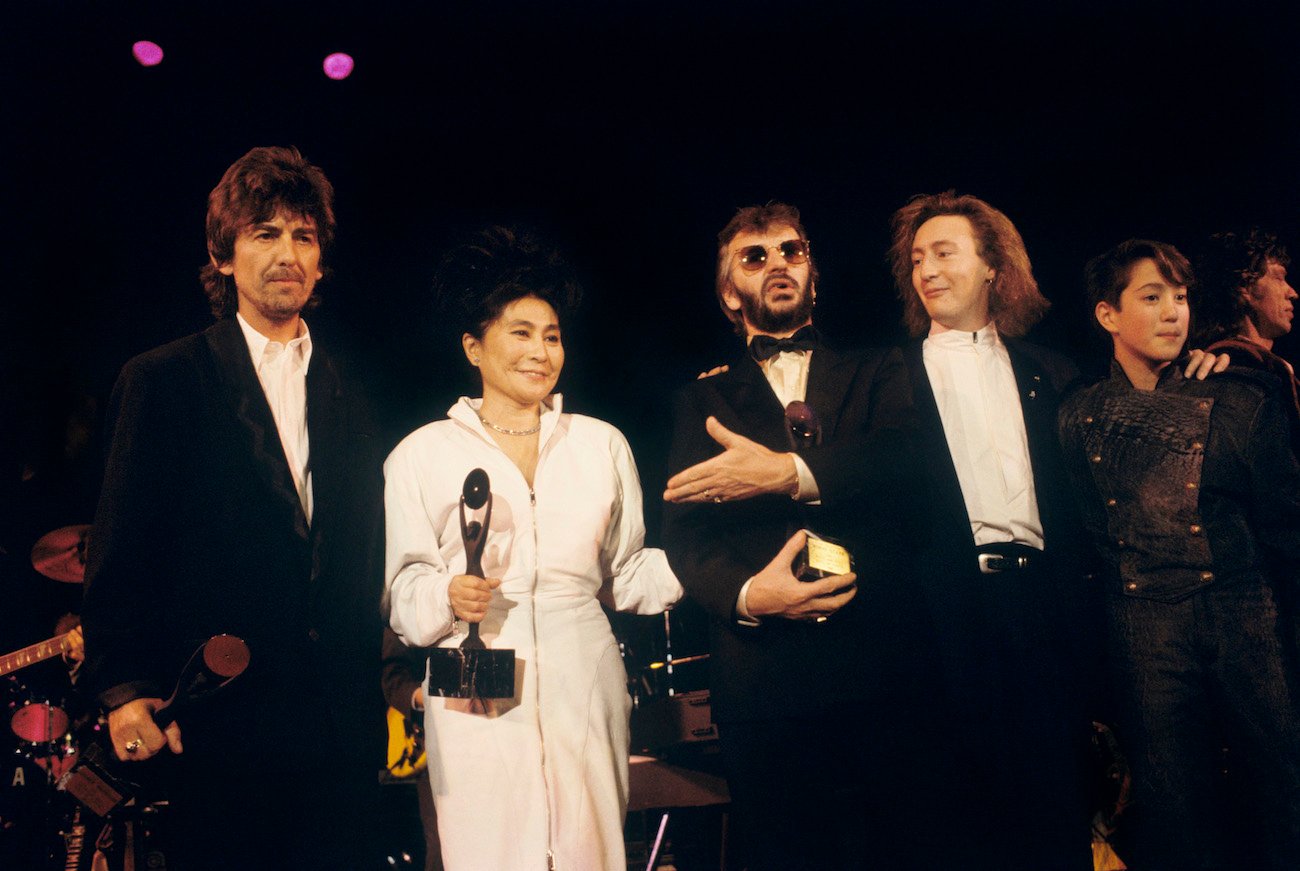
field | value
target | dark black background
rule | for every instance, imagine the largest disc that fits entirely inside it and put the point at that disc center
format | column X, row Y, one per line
column 630, row 131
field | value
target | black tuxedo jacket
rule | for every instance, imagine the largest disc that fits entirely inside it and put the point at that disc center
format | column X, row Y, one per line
column 947, row 565
column 782, row 667
column 1041, row 378
column 200, row 531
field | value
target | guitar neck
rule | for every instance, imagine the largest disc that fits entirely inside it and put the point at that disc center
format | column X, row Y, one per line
column 47, row 649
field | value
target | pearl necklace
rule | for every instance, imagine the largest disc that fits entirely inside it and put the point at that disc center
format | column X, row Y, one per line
column 511, row 432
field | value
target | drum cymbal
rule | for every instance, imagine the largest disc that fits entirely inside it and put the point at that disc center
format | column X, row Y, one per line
column 61, row 555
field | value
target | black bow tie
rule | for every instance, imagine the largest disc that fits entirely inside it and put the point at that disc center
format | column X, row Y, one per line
column 805, row 339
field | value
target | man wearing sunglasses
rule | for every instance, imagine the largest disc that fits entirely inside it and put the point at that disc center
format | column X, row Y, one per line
column 790, row 438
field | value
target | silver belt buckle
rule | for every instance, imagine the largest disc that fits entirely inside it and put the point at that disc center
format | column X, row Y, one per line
column 992, row 563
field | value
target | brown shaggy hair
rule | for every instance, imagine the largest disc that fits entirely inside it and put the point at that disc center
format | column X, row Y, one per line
column 1015, row 303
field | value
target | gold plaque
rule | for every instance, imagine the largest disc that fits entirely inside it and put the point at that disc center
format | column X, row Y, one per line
column 828, row 557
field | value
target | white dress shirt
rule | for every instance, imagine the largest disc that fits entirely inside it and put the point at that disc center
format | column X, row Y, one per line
column 282, row 369
column 979, row 404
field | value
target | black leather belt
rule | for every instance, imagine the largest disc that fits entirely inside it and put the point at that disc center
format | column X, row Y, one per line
column 1009, row 557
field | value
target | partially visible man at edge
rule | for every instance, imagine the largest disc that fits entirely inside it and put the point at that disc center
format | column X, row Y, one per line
column 1244, row 304
column 242, row 496
column 809, row 679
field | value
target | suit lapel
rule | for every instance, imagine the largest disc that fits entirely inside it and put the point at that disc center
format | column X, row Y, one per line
column 754, row 408
column 1039, row 402
column 829, row 376
column 1036, row 402
column 243, row 393
column 935, row 450
column 326, row 428
column 758, row 412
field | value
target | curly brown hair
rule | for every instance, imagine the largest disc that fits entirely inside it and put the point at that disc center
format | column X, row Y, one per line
column 1015, row 303
column 1230, row 263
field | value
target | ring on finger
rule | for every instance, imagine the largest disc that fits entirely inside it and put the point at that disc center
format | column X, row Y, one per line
column 133, row 745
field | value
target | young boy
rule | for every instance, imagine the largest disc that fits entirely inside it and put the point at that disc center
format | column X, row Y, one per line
column 1191, row 496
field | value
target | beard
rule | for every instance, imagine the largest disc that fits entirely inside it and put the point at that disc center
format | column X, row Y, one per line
column 763, row 317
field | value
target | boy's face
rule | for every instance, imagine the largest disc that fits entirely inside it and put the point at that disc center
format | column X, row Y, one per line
column 1149, row 324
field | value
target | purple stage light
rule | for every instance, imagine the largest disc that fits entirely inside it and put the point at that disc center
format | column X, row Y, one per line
column 149, row 54
column 338, row 65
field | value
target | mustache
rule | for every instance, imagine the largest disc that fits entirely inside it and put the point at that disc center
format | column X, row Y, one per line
column 285, row 274
column 779, row 278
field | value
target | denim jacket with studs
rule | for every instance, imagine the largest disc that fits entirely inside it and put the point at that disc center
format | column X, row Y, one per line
column 1187, row 485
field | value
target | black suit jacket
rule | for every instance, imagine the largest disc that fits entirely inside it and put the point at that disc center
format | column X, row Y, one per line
column 200, row 531
column 784, row 667
column 947, row 565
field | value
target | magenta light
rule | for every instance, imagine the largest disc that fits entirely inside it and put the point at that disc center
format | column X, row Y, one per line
column 338, row 65
column 149, row 54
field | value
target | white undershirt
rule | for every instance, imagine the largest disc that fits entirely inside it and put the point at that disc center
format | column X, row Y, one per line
column 979, row 404
column 282, row 370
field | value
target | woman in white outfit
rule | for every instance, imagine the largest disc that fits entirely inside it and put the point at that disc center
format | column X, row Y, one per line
column 538, row 781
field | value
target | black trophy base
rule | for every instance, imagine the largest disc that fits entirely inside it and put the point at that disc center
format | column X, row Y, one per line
column 455, row 673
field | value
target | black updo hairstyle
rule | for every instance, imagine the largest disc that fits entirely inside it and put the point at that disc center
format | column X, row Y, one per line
column 477, row 279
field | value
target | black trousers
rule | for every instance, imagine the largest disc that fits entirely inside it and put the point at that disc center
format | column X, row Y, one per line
column 824, row 792
column 259, row 814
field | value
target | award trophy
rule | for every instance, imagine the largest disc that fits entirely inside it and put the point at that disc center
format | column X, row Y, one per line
column 473, row 671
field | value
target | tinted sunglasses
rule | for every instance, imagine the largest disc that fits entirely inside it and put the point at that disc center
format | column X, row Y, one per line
column 752, row 257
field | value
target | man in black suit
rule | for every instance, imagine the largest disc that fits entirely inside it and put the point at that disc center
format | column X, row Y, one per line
column 1000, row 563
column 241, row 496
column 803, row 677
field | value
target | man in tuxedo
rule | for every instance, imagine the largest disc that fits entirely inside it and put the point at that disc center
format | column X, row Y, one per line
column 241, row 496
column 1000, row 563
column 804, row 677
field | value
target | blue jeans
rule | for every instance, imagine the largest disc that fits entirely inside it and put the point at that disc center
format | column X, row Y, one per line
column 1192, row 677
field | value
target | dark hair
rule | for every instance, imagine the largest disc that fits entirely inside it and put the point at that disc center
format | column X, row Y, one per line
column 257, row 186
column 477, row 279
column 1015, row 303
column 1230, row 263
column 756, row 219
column 1106, row 275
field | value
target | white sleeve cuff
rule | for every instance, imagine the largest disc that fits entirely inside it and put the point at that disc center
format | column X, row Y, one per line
column 743, row 617
column 808, row 491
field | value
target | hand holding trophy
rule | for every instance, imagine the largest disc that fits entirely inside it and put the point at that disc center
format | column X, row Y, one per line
column 473, row 671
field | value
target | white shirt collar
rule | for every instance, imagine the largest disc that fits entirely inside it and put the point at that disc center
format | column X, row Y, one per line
column 942, row 337
column 258, row 344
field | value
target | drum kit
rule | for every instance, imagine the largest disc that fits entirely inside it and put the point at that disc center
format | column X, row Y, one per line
column 42, row 744
column 51, row 789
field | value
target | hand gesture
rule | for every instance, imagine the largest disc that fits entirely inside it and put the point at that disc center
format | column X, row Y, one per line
column 743, row 470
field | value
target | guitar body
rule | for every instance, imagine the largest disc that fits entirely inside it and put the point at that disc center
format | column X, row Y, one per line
column 406, row 756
